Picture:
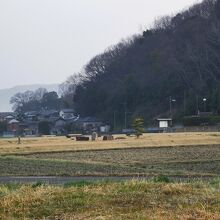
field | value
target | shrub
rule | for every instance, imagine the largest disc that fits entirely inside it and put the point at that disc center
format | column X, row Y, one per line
column 37, row 184
column 138, row 126
column 161, row 179
column 198, row 120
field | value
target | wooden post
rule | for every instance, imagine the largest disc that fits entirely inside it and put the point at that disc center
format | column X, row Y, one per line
column 19, row 140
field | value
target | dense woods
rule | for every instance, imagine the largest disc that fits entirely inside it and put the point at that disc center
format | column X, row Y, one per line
column 179, row 57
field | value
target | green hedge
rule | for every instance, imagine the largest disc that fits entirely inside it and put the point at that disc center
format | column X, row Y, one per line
column 201, row 120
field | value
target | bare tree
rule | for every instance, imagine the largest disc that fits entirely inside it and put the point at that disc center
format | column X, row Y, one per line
column 39, row 93
column 19, row 99
column 69, row 86
column 162, row 23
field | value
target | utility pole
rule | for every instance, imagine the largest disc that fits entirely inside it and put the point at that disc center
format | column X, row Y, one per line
column 197, row 104
column 170, row 106
column 184, row 103
column 114, row 122
column 125, row 114
column 125, row 107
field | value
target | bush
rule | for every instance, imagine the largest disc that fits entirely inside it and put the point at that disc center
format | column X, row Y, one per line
column 37, row 184
column 161, row 179
column 205, row 120
column 78, row 184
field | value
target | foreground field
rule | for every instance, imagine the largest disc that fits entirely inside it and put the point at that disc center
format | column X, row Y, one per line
column 185, row 161
column 125, row 200
column 56, row 144
column 153, row 154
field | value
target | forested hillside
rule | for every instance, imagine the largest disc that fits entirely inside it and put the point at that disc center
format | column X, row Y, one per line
column 178, row 57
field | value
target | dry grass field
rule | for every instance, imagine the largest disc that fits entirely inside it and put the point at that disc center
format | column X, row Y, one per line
column 116, row 201
column 177, row 155
column 54, row 144
column 181, row 154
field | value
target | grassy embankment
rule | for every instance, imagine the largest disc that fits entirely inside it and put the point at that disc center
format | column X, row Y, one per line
column 187, row 154
column 125, row 200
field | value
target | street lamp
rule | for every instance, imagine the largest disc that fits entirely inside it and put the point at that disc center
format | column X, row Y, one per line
column 171, row 101
column 204, row 101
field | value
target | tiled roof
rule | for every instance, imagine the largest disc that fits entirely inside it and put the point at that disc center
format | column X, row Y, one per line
column 88, row 119
column 67, row 110
column 5, row 114
column 13, row 121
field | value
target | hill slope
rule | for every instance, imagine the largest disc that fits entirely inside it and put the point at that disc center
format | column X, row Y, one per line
column 178, row 58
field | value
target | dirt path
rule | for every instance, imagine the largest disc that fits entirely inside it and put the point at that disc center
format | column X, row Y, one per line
column 55, row 180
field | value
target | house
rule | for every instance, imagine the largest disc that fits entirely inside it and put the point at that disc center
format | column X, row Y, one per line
column 6, row 116
column 59, row 127
column 29, row 128
column 9, row 118
column 68, row 114
column 13, row 126
column 31, row 116
column 8, row 134
column 89, row 124
column 48, row 115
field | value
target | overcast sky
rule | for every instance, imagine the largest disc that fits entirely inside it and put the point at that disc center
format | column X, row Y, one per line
column 45, row 41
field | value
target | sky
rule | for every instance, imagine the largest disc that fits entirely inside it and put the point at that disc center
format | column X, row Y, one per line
column 45, row 41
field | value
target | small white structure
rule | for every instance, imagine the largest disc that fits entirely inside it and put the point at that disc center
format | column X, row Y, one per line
column 104, row 129
column 68, row 114
column 165, row 122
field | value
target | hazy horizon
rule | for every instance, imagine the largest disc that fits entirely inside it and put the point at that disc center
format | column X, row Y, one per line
column 38, row 85
column 45, row 41
column 6, row 94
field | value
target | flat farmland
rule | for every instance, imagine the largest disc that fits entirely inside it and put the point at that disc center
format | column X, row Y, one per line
column 60, row 144
column 184, row 154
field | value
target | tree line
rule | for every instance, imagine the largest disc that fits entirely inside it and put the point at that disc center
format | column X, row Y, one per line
column 37, row 100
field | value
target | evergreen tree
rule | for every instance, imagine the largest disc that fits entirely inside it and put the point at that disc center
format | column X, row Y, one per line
column 138, row 126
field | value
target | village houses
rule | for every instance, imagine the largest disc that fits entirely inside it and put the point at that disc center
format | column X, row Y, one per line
column 59, row 123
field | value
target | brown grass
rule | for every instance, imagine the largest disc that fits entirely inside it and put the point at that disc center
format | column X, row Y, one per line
column 49, row 144
column 128, row 200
